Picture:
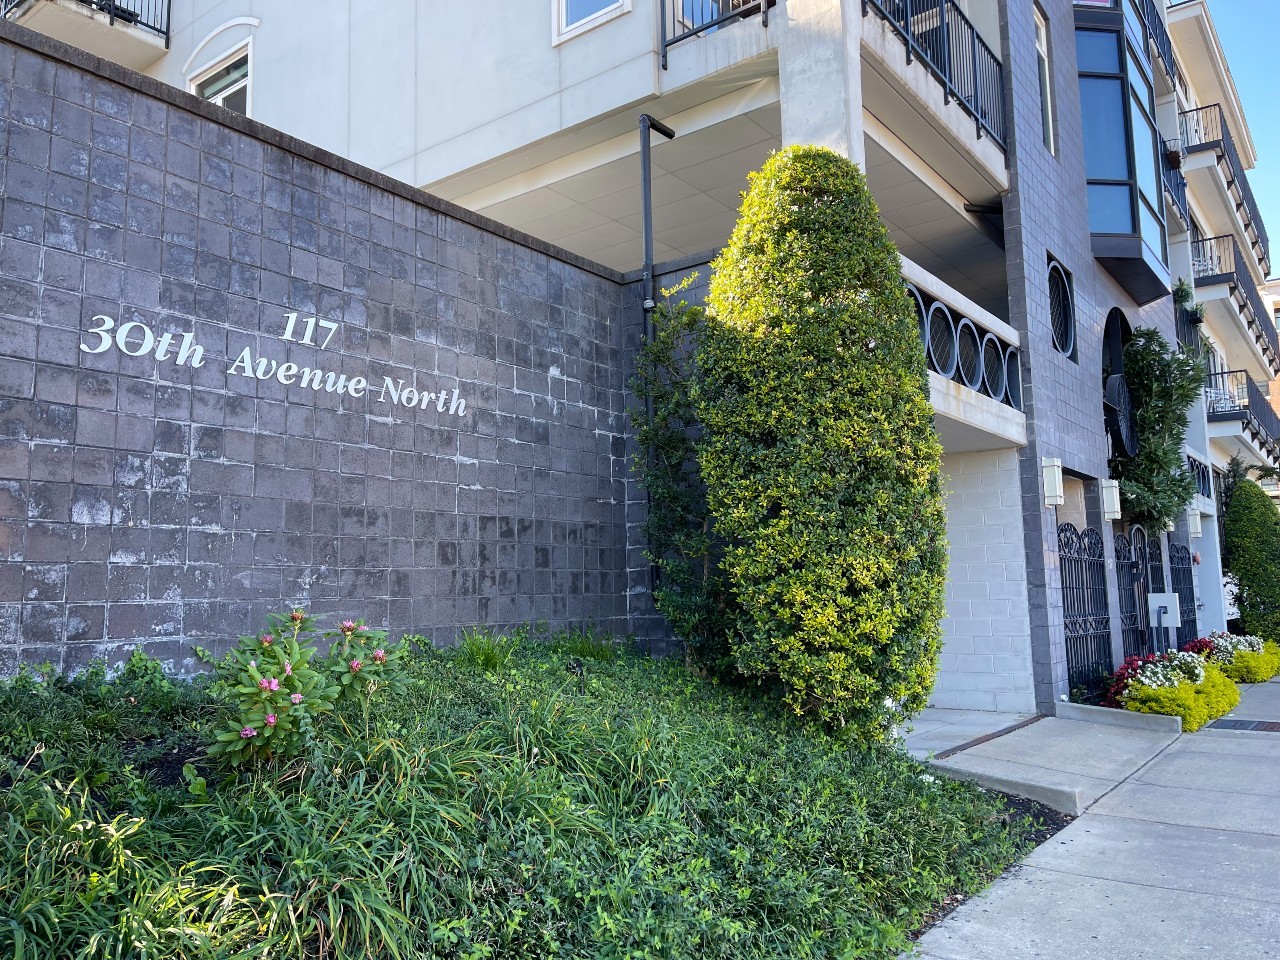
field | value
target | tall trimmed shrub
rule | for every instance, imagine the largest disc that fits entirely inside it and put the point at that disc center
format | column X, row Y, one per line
column 819, row 453
column 1251, row 555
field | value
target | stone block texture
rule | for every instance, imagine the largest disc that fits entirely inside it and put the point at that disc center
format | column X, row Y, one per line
column 149, row 500
column 986, row 634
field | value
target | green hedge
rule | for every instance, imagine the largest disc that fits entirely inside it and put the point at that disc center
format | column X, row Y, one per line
column 1195, row 703
column 1249, row 667
column 1251, row 554
column 819, row 453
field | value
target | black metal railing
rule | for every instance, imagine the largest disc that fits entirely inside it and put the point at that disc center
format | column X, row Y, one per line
column 961, row 349
column 152, row 15
column 1159, row 36
column 1203, row 474
column 1175, row 183
column 1184, row 586
column 949, row 45
column 683, row 19
column 1205, row 128
column 1131, row 581
column 1218, row 260
column 1188, row 329
column 1232, row 395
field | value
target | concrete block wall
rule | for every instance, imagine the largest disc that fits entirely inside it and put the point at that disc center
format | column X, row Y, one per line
column 986, row 653
column 149, row 499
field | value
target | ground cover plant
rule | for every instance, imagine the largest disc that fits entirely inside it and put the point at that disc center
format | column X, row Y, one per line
column 562, row 798
column 1243, row 658
column 1186, row 683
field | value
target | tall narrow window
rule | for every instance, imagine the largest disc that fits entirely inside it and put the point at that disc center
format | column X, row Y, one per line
column 226, row 84
column 1046, row 79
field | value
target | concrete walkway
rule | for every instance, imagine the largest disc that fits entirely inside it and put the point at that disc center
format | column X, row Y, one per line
column 1180, row 859
column 935, row 731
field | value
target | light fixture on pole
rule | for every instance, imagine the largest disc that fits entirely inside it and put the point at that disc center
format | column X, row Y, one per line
column 647, row 124
column 1051, row 472
column 1110, row 499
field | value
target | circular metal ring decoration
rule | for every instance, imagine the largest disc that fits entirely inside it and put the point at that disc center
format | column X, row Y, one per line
column 993, row 372
column 942, row 340
column 1118, row 408
column 1062, row 313
column 1013, row 378
column 970, row 351
column 917, row 302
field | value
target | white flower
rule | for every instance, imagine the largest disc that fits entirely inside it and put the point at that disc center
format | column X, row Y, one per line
column 928, row 777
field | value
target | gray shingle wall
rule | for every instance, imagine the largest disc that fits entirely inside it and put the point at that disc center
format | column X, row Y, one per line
column 148, row 500
column 1046, row 213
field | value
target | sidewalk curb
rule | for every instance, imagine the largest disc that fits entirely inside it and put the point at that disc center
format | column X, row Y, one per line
column 1118, row 718
column 1068, row 800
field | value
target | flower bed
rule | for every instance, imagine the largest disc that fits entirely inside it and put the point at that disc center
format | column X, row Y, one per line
column 1180, row 683
column 1245, row 659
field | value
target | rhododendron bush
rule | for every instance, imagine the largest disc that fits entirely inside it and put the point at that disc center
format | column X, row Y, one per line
column 280, row 688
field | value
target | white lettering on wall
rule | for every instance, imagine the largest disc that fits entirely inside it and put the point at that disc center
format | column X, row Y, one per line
column 137, row 339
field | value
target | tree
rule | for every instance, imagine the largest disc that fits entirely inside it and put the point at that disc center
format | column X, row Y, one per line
column 818, row 449
column 1251, row 557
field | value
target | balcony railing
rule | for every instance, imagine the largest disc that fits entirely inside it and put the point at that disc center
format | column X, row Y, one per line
column 1205, row 128
column 1204, row 476
column 1232, row 395
column 1175, row 184
column 960, row 349
column 151, row 15
column 946, row 41
column 683, row 19
column 1188, row 329
column 1159, row 35
column 1219, row 260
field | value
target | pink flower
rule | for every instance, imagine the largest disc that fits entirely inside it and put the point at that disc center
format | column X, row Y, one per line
column 275, row 684
column 298, row 616
column 288, row 669
column 267, row 639
column 264, row 684
column 355, row 666
column 248, row 732
column 348, row 626
column 271, row 719
column 379, row 656
column 296, row 698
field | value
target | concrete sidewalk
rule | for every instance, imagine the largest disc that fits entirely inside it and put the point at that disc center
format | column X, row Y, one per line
column 1180, row 859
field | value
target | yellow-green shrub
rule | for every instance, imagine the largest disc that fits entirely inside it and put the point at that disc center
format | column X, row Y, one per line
column 1249, row 667
column 1195, row 703
column 819, row 453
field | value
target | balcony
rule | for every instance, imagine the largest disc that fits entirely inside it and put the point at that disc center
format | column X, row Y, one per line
column 1159, row 37
column 944, row 40
column 1224, row 284
column 133, row 33
column 685, row 19
column 1175, row 182
column 1240, row 414
column 1211, row 148
column 1203, row 474
column 975, row 379
column 1188, row 330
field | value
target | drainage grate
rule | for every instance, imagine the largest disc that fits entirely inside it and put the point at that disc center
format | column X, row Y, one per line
column 1263, row 726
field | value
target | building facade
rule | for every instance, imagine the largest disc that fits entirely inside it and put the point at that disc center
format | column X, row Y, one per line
column 1048, row 170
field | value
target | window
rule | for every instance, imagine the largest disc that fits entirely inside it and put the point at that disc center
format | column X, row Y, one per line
column 226, row 83
column 573, row 17
column 1046, row 79
column 1062, row 309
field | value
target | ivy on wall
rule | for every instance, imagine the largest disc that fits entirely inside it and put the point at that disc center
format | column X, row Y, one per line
column 1156, row 484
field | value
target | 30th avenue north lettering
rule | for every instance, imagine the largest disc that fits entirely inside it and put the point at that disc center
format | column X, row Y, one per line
column 136, row 339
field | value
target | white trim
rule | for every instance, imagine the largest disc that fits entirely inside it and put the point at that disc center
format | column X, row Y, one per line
column 242, row 49
column 561, row 31
column 251, row 22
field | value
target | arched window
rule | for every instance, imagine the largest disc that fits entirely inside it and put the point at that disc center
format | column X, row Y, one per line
column 1062, row 310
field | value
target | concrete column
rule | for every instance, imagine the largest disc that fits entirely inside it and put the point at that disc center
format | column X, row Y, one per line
column 1208, row 578
column 820, row 74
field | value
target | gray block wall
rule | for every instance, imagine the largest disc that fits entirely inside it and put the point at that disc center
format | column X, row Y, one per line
column 152, row 494
column 1046, row 213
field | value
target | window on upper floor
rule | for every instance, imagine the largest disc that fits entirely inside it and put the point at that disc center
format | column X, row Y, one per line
column 1046, row 79
column 226, row 83
column 573, row 17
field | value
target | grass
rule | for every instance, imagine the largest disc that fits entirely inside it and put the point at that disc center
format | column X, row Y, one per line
column 504, row 805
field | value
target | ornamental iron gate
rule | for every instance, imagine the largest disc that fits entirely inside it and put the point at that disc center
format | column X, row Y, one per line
column 1086, row 618
column 1155, row 565
column 1131, row 574
column 1180, row 572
